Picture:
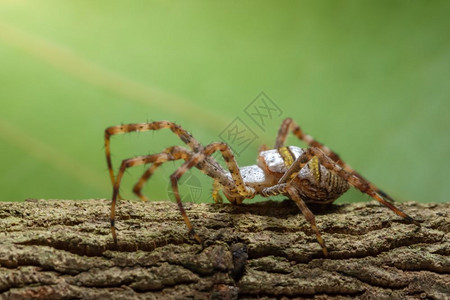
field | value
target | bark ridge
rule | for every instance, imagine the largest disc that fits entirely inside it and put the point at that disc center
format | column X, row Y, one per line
column 62, row 249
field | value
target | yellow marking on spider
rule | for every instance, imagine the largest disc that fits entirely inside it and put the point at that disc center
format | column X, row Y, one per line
column 314, row 166
column 287, row 156
column 215, row 192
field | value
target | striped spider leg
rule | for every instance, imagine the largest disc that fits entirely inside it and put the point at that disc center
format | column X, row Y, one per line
column 356, row 181
column 286, row 186
column 215, row 192
column 315, row 158
column 234, row 183
column 239, row 192
column 185, row 136
column 236, row 188
column 170, row 154
column 289, row 125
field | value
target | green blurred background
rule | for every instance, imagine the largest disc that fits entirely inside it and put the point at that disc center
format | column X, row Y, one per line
column 370, row 79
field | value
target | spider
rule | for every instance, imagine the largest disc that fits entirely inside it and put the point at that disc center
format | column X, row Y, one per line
column 306, row 175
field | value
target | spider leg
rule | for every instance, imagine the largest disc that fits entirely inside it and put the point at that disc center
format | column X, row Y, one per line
column 263, row 148
column 356, row 181
column 283, row 188
column 185, row 136
column 192, row 162
column 241, row 188
column 175, row 153
column 137, row 189
column 289, row 125
column 294, row 167
column 202, row 160
column 315, row 156
column 309, row 216
column 128, row 163
column 215, row 192
column 210, row 167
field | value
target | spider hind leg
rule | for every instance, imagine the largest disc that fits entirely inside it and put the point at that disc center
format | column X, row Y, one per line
column 309, row 216
column 290, row 125
column 357, row 181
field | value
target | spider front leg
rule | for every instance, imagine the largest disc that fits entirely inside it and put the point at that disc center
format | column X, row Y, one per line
column 289, row 125
column 284, row 186
column 215, row 192
column 185, row 136
column 240, row 188
column 356, row 181
column 137, row 161
column 202, row 162
column 192, row 162
column 175, row 153
column 309, row 216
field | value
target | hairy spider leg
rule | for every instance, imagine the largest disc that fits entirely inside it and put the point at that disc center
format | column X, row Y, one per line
column 284, row 186
column 309, row 216
column 209, row 160
column 356, row 181
column 193, row 161
column 136, row 161
column 241, row 189
column 137, row 189
column 314, row 156
column 175, row 153
column 289, row 125
column 185, row 136
column 198, row 158
column 215, row 192
column 205, row 163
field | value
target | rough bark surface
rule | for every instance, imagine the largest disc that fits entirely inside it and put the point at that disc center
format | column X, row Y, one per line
column 62, row 249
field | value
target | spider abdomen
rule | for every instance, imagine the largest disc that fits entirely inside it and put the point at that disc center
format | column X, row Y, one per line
column 314, row 182
column 254, row 176
column 276, row 161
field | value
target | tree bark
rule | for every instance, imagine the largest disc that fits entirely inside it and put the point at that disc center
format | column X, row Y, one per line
column 62, row 249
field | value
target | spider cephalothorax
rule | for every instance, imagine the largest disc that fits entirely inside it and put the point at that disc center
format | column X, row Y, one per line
column 311, row 175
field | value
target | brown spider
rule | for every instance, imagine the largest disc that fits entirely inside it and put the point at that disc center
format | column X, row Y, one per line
column 312, row 175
